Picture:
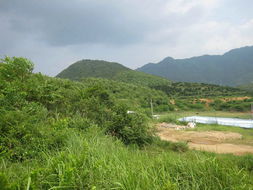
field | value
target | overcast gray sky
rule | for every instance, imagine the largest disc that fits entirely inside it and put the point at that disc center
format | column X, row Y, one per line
column 56, row 33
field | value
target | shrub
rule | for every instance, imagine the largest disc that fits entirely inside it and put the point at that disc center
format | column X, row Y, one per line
column 80, row 123
column 164, row 108
column 130, row 128
column 16, row 68
column 197, row 106
column 169, row 119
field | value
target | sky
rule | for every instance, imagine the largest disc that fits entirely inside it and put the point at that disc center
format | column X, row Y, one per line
column 56, row 33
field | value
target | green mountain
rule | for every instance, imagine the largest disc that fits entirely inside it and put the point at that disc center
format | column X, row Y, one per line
column 110, row 70
column 232, row 68
column 84, row 69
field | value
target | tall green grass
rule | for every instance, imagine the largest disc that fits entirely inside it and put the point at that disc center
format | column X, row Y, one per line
column 96, row 161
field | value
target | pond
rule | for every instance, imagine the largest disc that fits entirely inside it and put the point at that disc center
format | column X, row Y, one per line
column 243, row 123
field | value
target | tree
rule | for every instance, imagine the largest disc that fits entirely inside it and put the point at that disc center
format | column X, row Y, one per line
column 15, row 68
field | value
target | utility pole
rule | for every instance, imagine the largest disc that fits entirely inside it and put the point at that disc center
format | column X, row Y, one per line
column 151, row 105
column 252, row 109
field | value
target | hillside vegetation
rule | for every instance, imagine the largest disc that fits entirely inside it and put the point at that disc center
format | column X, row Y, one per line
column 233, row 68
column 186, row 89
column 134, row 96
column 109, row 70
column 247, row 87
column 136, row 89
column 203, row 97
column 62, row 134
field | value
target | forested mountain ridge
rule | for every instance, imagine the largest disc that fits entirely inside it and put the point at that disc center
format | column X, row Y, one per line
column 85, row 69
column 109, row 70
column 232, row 68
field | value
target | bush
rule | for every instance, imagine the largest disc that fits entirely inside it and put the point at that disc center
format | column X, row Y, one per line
column 164, row 108
column 130, row 128
column 169, row 119
column 80, row 123
column 197, row 106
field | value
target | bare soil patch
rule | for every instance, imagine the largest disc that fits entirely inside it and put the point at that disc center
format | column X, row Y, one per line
column 207, row 101
column 235, row 98
column 212, row 141
column 223, row 148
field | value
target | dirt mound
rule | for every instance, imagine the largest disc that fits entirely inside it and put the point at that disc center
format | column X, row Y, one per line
column 213, row 141
column 173, row 126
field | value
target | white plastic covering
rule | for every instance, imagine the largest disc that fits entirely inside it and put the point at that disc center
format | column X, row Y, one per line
column 244, row 123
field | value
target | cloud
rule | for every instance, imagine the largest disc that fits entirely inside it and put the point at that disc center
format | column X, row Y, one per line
column 62, row 22
column 226, row 35
column 56, row 33
column 75, row 22
column 184, row 6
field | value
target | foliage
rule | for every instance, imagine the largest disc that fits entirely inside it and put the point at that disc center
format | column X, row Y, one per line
column 134, row 96
column 38, row 112
column 131, row 128
column 140, row 78
column 233, row 105
column 184, row 90
column 16, row 68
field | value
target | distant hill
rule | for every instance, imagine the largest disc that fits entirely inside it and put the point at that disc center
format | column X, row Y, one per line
column 230, row 69
column 110, row 70
column 92, row 68
column 247, row 87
